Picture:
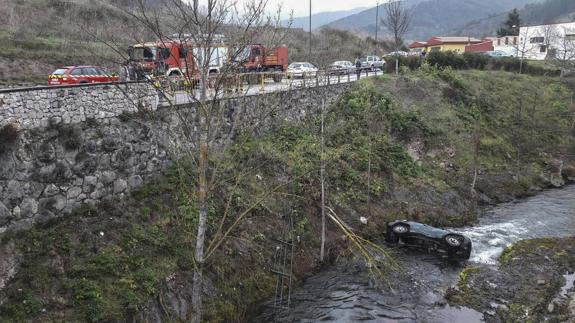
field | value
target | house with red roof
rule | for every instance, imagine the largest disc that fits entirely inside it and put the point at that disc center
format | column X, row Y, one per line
column 444, row 44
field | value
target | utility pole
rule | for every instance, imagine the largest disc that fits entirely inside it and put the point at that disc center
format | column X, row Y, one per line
column 376, row 26
column 309, row 48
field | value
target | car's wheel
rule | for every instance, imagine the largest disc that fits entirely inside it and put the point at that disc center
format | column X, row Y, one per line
column 277, row 78
column 453, row 240
column 400, row 229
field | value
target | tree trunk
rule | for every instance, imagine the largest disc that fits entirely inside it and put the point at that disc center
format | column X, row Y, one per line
column 202, row 206
column 200, row 240
column 322, row 178
column 369, row 178
column 396, row 65
column 572, row 106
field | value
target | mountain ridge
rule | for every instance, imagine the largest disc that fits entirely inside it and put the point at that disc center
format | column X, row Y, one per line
column 321, row 18
column 432, row 17
column 550, row 11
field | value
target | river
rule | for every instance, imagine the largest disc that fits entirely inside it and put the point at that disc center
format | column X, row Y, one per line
column 346, row 293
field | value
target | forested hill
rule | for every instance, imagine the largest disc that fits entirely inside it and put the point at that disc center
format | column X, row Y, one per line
column 434, row 17
column 550, row 11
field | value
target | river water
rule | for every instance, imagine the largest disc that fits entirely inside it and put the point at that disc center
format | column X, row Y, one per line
column 346, row 293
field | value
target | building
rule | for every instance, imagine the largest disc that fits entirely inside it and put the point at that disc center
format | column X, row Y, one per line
column 418, row 47
column 506, row 44
column 444, row 44
column 547, row 41
column 484, row 46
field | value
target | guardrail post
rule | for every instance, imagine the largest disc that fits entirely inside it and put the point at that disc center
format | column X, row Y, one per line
column 262, row 85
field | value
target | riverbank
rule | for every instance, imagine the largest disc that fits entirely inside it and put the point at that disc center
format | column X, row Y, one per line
column 533, row 283
column 421, row 139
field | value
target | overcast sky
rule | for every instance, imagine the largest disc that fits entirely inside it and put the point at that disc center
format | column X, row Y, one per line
column 301, row 7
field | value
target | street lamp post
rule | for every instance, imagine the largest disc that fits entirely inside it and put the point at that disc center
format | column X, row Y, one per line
column 376, row 26
column 309, row 45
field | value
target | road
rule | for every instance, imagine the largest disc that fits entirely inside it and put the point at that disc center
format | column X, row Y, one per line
column 269, row 86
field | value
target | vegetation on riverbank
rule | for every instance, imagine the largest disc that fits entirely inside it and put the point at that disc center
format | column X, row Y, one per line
column 526, row 286
column 421, row 140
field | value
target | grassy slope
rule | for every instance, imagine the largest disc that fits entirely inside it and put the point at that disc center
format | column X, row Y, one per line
column 38, row 36
column 111, row 262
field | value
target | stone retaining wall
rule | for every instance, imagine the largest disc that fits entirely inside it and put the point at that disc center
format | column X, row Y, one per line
column 61, row 161
column 33, row 108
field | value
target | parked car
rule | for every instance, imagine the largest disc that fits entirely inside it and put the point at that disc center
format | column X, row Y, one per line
column 372, row 63
column 499, row 53
column 301, row 69
column 398, row 53
column 80, row 75
column 424, row 236
column 341, row 68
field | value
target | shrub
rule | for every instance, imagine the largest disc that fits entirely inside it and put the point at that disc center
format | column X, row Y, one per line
column 513, row 64
column 9, row 135
column 509, row 64
column 476, row 60
column 410, row 62
column 447, row 59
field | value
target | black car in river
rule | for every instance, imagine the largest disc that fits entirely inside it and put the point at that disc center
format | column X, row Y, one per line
column 421, row 235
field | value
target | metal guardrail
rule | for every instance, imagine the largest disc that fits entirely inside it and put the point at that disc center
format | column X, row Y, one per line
column 236, row 83
column 263, row 82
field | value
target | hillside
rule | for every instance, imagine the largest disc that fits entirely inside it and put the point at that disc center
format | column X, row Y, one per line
column 131, row 260
column 550, row 11
column 320, row 19
column 39, row 35
column 433, row 17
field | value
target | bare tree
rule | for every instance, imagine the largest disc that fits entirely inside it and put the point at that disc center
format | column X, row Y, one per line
column 550, row 36
column 564, row 57
column 524, row 46
column 212, row 62
column 397, row 19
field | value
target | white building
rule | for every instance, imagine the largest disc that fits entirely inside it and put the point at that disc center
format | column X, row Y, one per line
column 505, row 44
column 547, row 41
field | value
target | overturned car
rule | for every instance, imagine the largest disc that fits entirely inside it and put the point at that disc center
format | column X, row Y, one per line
column 416, row 234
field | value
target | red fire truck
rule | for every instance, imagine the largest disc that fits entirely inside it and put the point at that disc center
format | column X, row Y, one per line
column 258, row 58
column 168, row 58
column 174, row 58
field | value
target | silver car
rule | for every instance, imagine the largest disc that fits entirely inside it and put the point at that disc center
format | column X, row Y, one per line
column 372, row 63
column 301, row 70
column 341, row 68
